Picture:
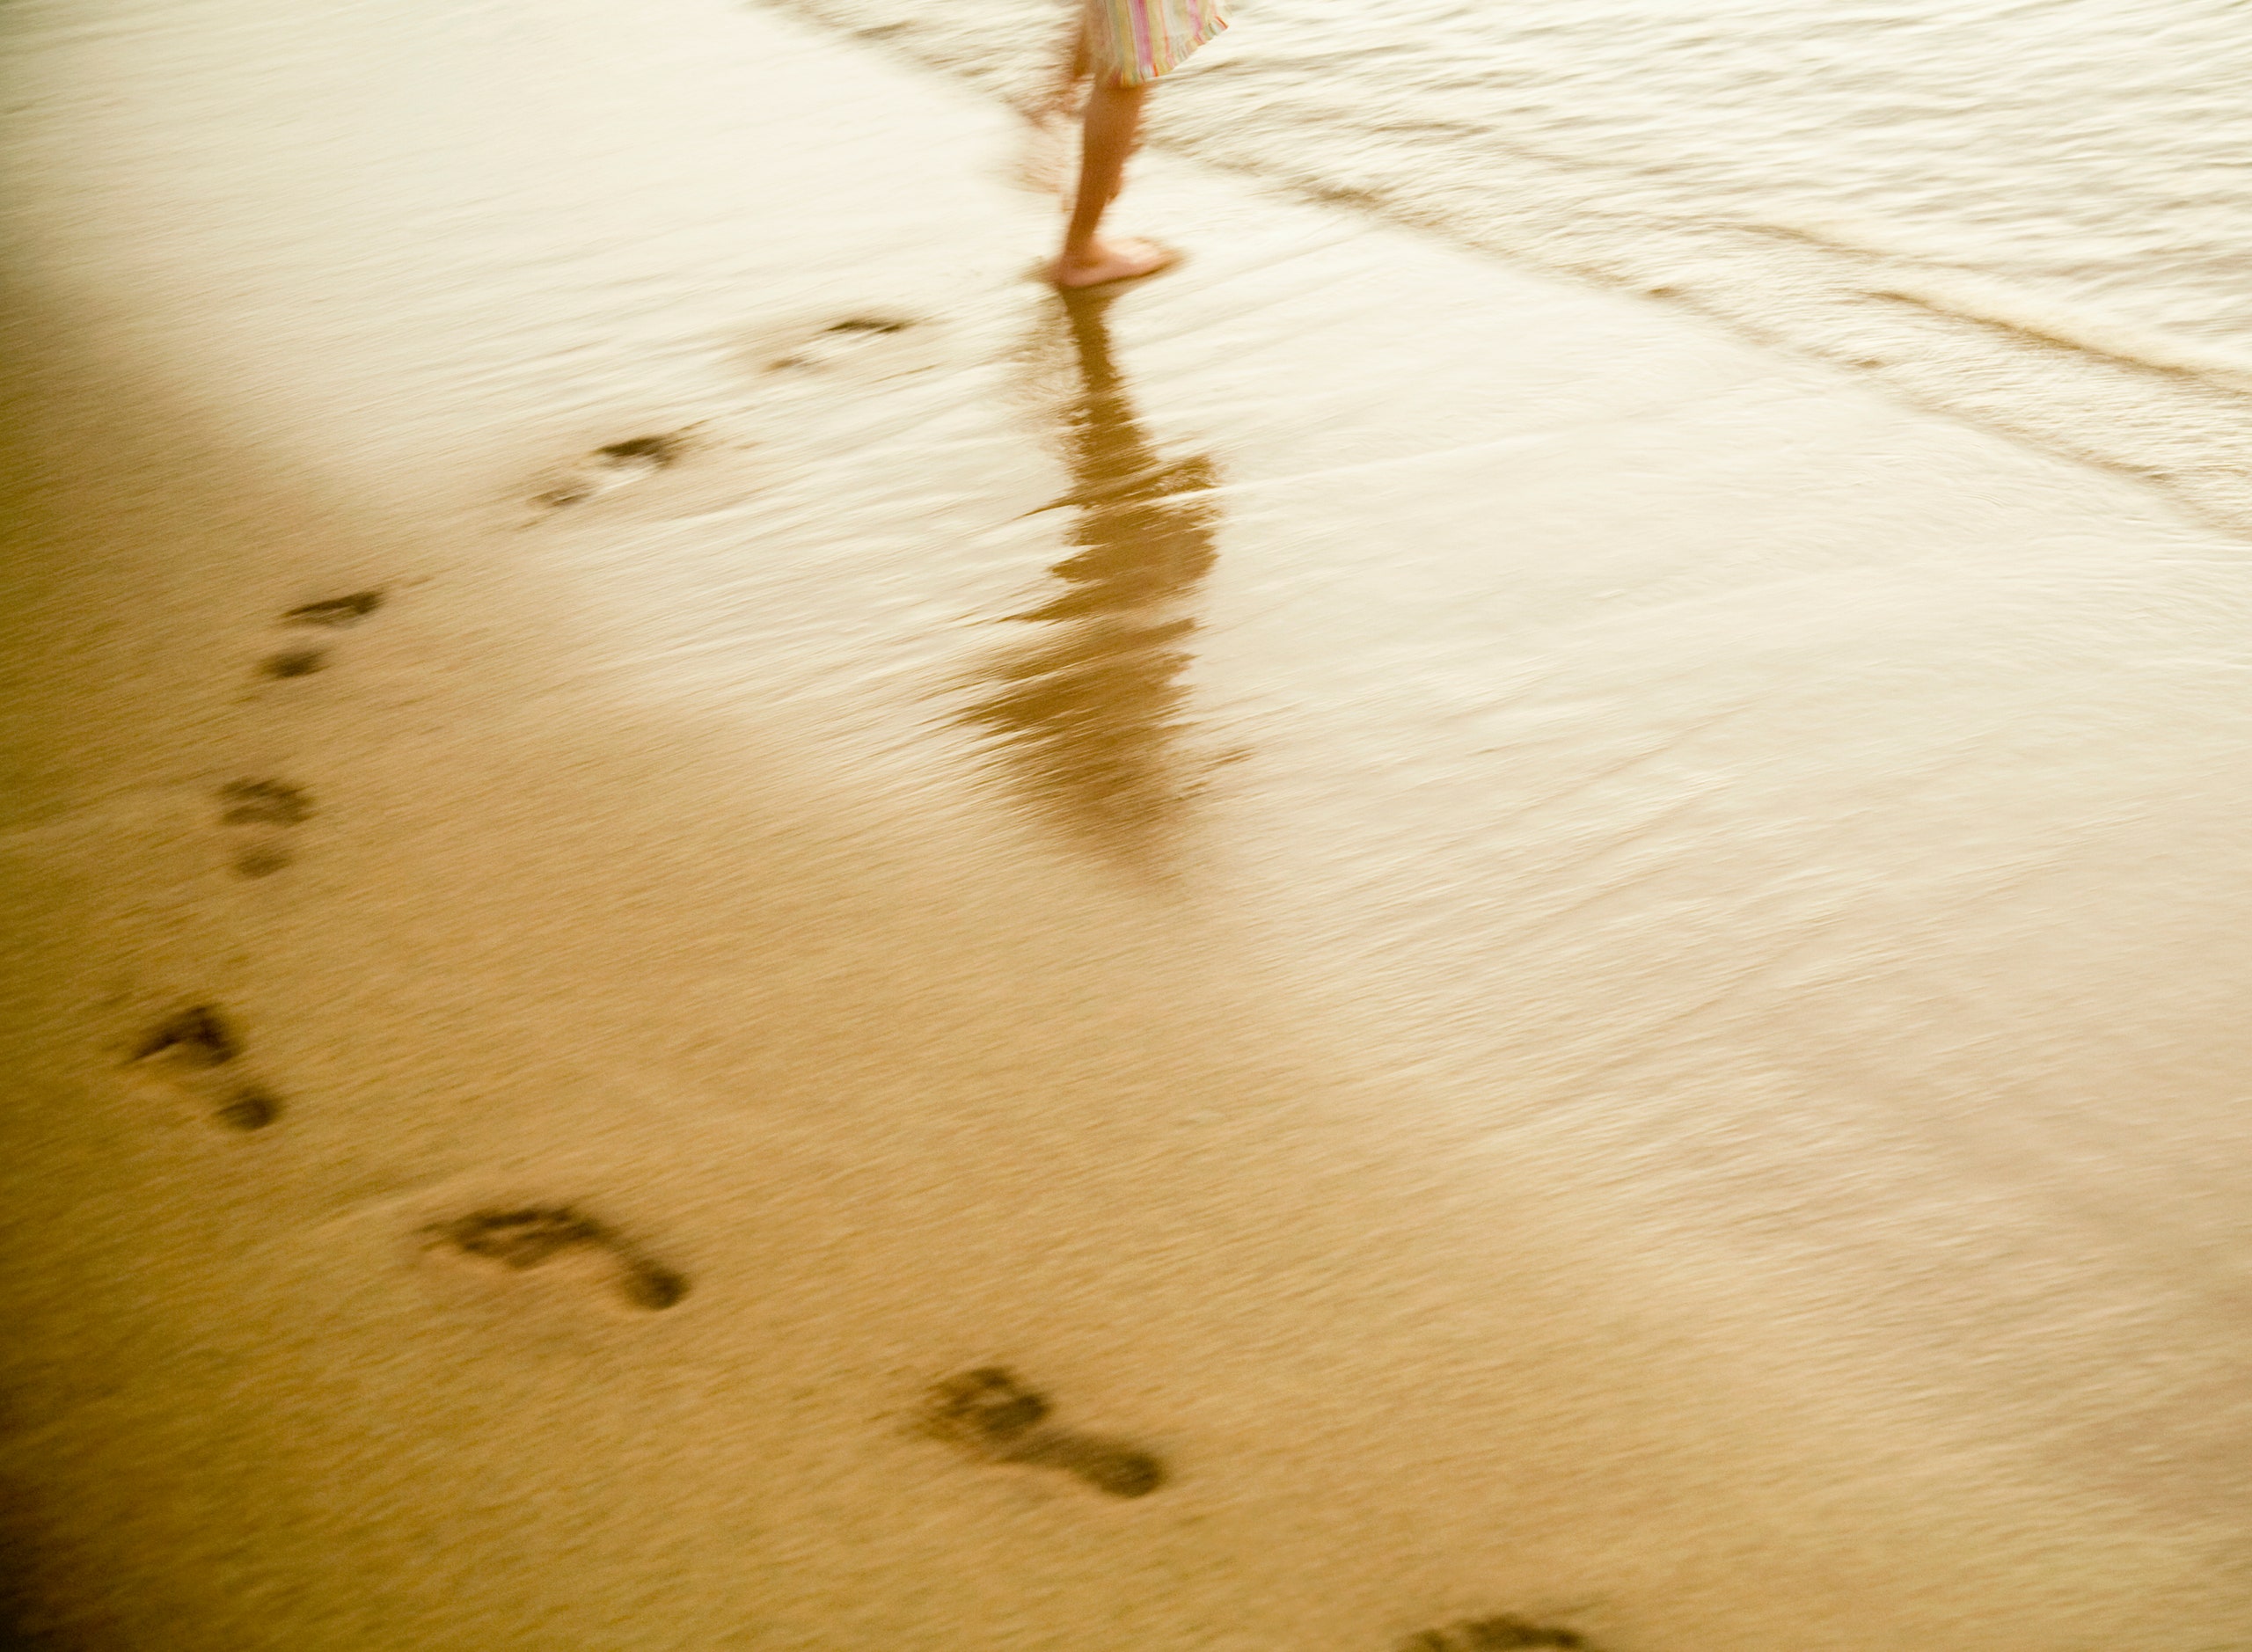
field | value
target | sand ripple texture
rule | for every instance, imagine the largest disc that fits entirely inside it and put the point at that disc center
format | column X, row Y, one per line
column 2035, row 214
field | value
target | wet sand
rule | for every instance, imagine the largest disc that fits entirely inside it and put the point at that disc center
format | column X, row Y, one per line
column 736, row 935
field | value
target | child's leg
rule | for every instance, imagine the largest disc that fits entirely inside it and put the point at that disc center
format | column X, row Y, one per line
column 1114, row 119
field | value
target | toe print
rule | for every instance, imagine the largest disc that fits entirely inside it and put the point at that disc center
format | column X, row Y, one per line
column 995, row 1418
column 259, row 815
column 530, row 1236
column 1493, row 1634
column 1109, row 1466
column 646, row 1285
column 985, row 1408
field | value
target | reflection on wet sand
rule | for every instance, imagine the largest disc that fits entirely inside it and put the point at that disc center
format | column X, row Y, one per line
column 1088, row 711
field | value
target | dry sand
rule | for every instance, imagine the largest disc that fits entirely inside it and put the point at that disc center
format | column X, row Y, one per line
column 1563, row 969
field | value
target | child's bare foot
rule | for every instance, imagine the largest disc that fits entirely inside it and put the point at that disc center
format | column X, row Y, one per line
column 1107, row 261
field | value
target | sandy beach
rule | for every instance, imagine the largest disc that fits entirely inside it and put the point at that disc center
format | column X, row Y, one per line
column 732, row 934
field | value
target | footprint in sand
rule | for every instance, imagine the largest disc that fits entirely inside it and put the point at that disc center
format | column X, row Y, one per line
column 839, row 341
column 259, row 816
column 608, row 469
column 1493, row 1634
column 335, row 610
column 989, row 1414
column 294, row 662
column 194, row 1050
column 331, row 613
column 249, row 1108
column 194, row 1039
column 526, row 1237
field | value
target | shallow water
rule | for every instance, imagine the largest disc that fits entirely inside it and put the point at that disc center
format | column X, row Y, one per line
column 2036, row 214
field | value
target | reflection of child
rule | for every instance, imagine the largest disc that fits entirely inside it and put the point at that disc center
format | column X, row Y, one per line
column 1122, row 46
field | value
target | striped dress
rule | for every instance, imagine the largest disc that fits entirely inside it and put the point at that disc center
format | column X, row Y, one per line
column 1137, row 41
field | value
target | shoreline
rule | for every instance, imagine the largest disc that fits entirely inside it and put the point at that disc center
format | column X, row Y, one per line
column 2117, row 395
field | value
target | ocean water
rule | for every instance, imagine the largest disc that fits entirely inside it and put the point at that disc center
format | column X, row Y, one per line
column 2036, row 214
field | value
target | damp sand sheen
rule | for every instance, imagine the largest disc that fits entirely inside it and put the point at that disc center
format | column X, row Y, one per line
column 732, row 935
